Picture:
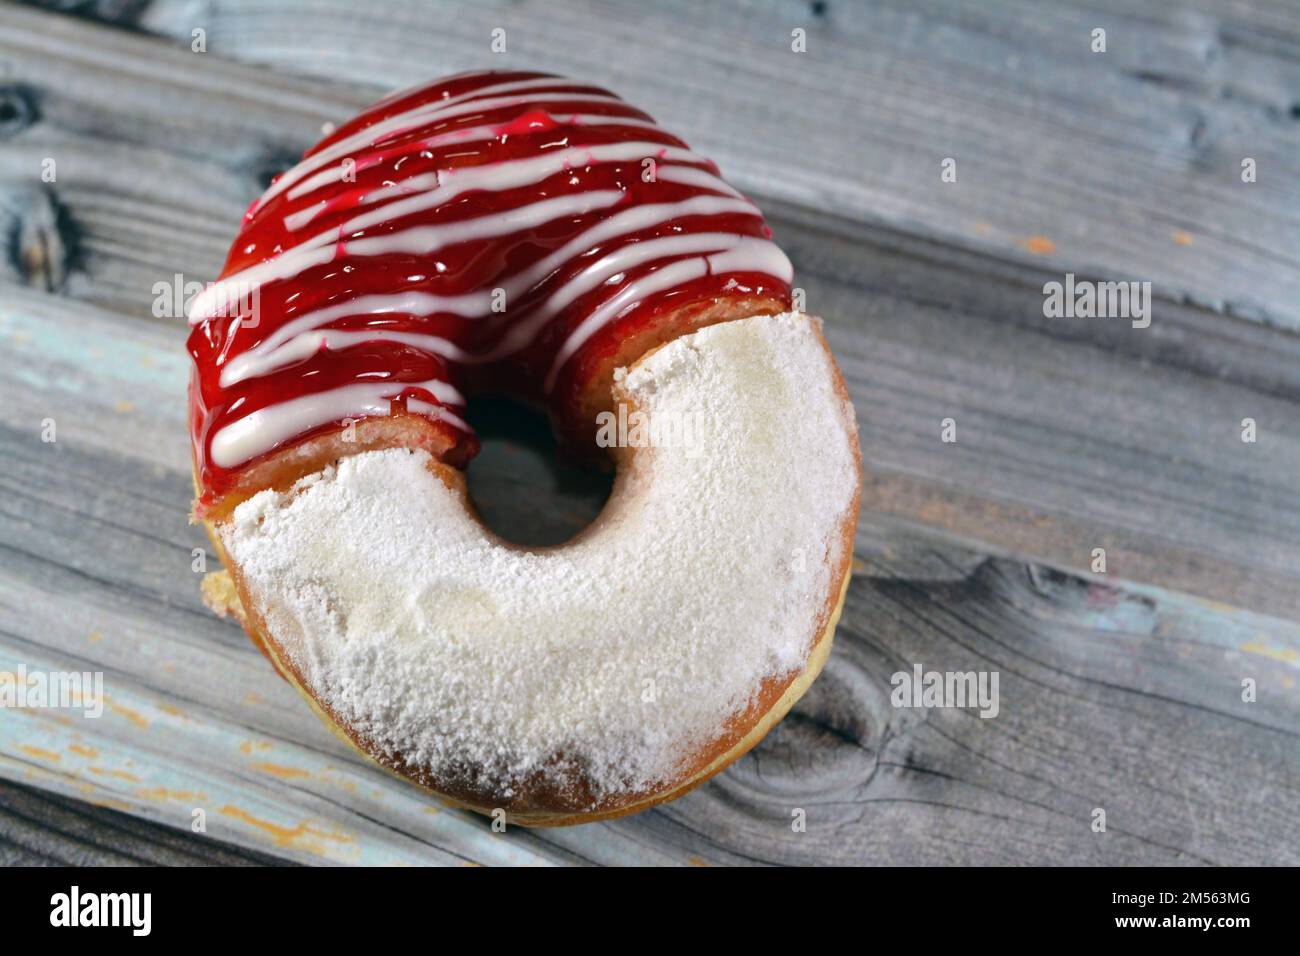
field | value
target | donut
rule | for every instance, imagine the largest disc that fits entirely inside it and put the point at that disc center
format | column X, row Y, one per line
column 537, row 237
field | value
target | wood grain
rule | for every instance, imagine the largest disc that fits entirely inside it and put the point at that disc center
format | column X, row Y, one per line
column 1125, row 163
column 39, row 828
column 1120, row 691
column 1176, row 498
column 1110, row 700
column 98, row 576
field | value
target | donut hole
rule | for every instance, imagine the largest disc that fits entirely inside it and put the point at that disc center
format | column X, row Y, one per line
column 524, row 488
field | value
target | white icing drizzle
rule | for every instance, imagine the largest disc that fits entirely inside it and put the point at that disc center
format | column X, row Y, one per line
column 306, row 334
column 699, row 178
column 433, row 189
column 260, row 431
column 520, row 334
column 288, row 343
column 748, row 255
column 476, row 134
column 301, row 338
column 419, row 240
column 418, row 116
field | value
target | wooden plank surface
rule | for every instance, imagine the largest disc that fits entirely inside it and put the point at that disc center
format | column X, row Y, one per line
column 1126, row 163
column 40, row 828
column 149, row 192
column 1121, row 692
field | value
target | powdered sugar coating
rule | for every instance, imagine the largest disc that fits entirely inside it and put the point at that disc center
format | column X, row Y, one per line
column 609, row 659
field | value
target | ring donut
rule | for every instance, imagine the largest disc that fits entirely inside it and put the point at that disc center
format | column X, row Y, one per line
column 530, row 235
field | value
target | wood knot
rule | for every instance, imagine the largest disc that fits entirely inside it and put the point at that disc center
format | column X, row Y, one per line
column 17, row 109
column 270, row 163
column 38, row 237
column 1048, row 595
column 120, row 13
column 828, row 742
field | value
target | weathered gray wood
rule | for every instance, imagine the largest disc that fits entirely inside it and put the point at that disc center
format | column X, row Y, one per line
column 39, row 828
column 1127, row 162
column 1115, row 694
column 1071, row 435
column 1176, row 497
column 113, row 112
column 1109, row 700
column 1113, row 698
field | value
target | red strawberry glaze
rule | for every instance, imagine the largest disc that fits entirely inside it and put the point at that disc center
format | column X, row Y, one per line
column 489, row 231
